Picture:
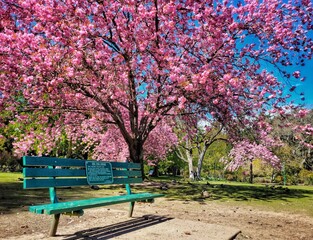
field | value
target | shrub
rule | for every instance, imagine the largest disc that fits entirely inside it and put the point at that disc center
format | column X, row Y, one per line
column 306, row 177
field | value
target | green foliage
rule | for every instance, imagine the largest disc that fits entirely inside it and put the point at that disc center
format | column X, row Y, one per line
column 306, row 177
column 241, row 175
column 294, row 151
column 68, row 148
column 8, row 162
column 172, row 165
column 213, row 168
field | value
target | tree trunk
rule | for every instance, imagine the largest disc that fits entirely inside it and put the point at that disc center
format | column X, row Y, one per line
column 186, row 155
column 136, row 154
column 200, row 160
column 251, row 172
column 155, row 171
column 190, row 164
column 174, row 171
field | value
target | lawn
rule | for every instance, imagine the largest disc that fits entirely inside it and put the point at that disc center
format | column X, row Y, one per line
column 293, row 199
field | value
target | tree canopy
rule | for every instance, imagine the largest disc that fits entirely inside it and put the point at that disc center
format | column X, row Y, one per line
column 91, row 67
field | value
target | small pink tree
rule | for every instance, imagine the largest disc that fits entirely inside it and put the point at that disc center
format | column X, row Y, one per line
column 125, row 66
column 244, row 152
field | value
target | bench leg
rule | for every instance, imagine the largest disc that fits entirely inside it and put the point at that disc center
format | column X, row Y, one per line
column 131, row 209
column 54, row 224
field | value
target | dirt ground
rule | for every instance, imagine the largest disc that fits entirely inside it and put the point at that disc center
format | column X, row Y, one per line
column 253, row 223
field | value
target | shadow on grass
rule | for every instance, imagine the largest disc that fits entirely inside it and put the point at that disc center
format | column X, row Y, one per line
column 193, row 192
column 13, row 198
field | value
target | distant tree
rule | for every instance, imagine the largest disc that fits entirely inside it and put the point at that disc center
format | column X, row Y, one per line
column 196, row 136
column 286, row 144
column 296, row 132
column 244, row 153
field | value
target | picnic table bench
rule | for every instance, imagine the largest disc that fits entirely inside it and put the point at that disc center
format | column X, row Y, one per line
column 53, row 173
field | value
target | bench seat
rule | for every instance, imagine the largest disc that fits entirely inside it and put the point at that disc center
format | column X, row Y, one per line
column 61, row 207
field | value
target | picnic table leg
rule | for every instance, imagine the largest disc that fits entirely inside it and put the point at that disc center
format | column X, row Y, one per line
column 54, row 224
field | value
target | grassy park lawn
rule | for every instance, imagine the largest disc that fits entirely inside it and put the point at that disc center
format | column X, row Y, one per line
column 293, row 199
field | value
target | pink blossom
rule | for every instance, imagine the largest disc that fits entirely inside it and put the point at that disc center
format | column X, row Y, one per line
column 112, row 71
column 296, row 74
column 244, row 152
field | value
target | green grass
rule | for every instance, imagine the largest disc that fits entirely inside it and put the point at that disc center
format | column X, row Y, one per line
column 9, row 177
column 13, row 198
column 293, row 199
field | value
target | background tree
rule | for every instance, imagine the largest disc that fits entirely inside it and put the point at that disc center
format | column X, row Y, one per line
column 295, row 132
column 197, row 134
column 244, row 153
column 212, row 166
column 289, row 140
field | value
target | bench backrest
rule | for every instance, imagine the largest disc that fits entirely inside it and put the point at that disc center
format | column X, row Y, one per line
column 47, row 172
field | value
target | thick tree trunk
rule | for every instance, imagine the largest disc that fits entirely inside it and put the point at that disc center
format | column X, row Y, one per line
column 136, row 154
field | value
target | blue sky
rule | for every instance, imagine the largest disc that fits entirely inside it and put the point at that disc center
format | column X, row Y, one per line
column 306, row 87
column 303, row 90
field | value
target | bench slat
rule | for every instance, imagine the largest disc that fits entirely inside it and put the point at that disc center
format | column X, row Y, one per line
column 65, row 182
column 126, row 165
column 90, row 203
column 129, row 173
column 61, row 182
column 47, row 172
column 68, row 162
column 50, row 161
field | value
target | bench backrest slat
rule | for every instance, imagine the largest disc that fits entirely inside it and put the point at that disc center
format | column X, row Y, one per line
column 46, row 172
column 68, row 162
column 43, row 172
column 127, row 180
column 126, row 173
column 63, row 182
column 126, row 165
column 49, row 161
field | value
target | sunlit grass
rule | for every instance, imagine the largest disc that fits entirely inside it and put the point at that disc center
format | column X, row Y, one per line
column 293, row 199
column 9, row 177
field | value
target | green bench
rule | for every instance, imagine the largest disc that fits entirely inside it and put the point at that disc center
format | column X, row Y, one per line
column 53, row 173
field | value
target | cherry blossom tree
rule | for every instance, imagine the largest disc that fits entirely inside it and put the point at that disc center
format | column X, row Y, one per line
column 290, row 129
column 117, row 69
column 245, row 152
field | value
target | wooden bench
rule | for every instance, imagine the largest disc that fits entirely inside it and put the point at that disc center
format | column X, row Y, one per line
column 53, row 173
